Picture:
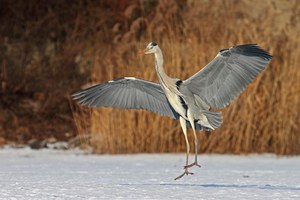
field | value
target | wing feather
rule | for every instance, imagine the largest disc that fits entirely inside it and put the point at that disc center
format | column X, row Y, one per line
column 130, row 93
column 228, row 74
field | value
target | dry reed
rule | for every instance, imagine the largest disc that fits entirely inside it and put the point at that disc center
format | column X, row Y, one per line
column 265, row 118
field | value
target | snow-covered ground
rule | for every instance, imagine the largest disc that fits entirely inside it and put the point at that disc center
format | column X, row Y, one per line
column 53, row 174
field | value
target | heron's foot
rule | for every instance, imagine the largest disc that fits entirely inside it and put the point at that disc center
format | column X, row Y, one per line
column 191, row 165
column 186, row 172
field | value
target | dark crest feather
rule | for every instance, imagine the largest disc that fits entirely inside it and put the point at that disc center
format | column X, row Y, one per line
column 153, row 44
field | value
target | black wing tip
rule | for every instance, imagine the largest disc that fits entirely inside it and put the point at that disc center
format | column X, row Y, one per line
column 253, row 50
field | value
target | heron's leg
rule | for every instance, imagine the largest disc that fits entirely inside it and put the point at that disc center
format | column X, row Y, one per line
column 191, row 119
column 186, row 172
column 196, row 153
column 184, row 129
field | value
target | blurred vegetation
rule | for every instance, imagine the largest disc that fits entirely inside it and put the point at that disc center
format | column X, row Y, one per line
column 49, row 50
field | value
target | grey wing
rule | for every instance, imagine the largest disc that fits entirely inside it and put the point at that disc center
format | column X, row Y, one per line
column 128, row 92
column 227, row 75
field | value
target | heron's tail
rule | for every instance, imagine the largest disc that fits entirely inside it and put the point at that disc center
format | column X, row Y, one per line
column 208, row 121
column 211, row 120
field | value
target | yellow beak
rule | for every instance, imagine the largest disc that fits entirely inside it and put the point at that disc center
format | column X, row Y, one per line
column 142, row 52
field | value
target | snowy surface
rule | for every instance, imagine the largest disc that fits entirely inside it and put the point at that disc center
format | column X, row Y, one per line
column 53, row 174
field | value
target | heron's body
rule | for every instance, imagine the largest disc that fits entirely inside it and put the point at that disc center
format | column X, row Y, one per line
column 180, row 98
column 190, row 101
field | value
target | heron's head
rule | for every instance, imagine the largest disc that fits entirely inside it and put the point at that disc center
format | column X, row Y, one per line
column 152, row 47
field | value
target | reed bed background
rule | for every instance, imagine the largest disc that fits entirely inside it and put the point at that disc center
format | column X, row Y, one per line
column 265, row 118
column 101, row 40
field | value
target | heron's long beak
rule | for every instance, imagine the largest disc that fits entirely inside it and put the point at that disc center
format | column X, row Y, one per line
column 142, row 52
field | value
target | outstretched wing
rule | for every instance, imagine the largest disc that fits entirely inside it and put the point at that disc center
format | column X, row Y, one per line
column 228, row 74
column 128, row 92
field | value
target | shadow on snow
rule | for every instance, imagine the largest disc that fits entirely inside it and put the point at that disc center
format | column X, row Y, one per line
column 263, row 187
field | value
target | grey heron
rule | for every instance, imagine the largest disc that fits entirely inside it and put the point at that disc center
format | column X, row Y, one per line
column 193, row 101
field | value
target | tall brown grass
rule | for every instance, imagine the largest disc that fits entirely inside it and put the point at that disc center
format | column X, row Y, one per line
column 264, row 118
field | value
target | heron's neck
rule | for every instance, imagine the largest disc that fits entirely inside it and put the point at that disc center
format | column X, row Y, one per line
column 167, row 82
column 159, row 61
